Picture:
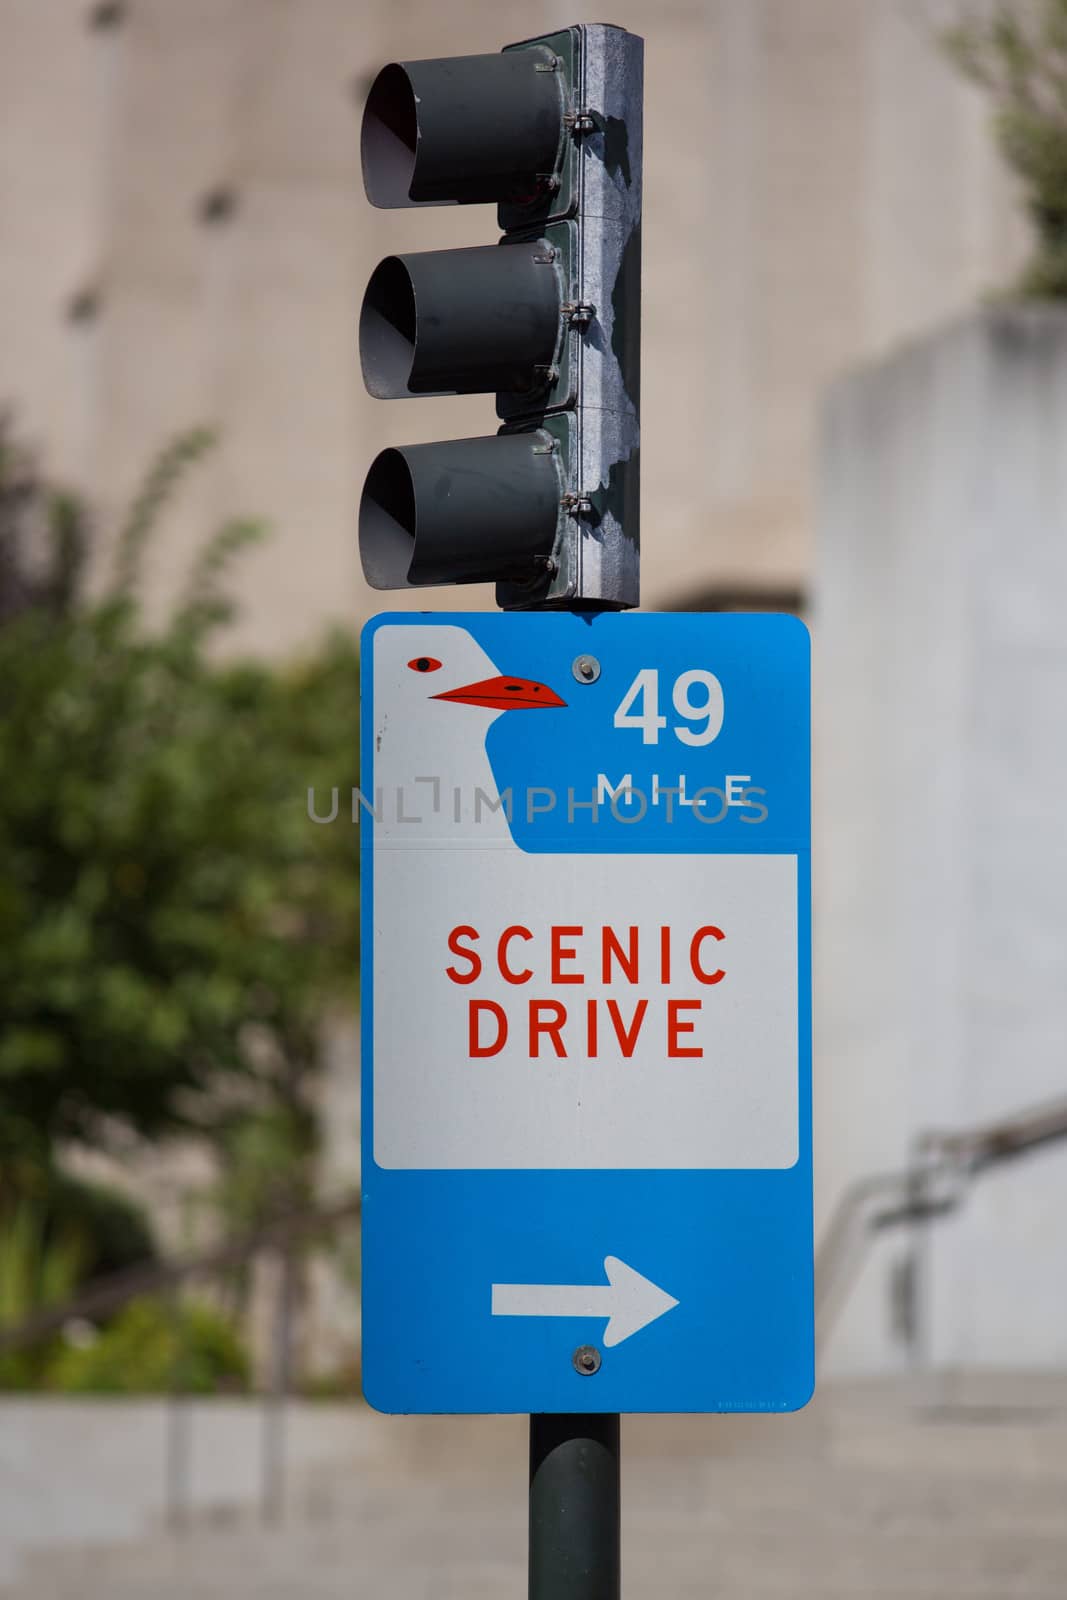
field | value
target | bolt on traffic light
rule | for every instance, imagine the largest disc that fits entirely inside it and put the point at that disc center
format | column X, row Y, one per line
column 547, row 319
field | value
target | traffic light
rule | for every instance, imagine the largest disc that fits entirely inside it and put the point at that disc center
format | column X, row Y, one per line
column 547, row 319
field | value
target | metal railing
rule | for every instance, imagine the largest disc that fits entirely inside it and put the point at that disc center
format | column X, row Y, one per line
column 933, row 1185
column 281, row 1238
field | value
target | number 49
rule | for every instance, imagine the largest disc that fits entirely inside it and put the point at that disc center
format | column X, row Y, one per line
column 644, row 692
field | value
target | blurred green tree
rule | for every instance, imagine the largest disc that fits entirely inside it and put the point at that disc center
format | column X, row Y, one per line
column 149, row 1347
column 1018, row 52
column 172, row 924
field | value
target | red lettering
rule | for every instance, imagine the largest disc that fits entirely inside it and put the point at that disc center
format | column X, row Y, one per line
column 591, row 1029
column 664, row 955
column 469, row 955
column 675, row 1026
column 552, row 1027
column 627, row 1039
column 474, row 1045
column 694, row 955
column 517, row 931
column 561, row 952
column 627, row 959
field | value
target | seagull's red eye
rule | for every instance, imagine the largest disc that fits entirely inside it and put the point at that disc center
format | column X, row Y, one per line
column 424, row 664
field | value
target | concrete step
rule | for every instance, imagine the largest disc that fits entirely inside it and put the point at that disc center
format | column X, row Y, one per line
column 864, row 1495
column 662, row 1557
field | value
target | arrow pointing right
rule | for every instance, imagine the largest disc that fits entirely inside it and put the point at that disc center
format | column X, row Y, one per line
column 629, row 1300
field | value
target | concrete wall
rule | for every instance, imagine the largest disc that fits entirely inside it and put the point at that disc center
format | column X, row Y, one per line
column 89, row 1472
column 819, row 183
column 941, row 589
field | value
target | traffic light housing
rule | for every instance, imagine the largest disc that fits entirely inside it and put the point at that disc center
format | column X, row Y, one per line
column 547, row 319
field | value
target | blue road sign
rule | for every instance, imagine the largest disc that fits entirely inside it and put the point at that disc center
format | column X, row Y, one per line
column 586, row 1013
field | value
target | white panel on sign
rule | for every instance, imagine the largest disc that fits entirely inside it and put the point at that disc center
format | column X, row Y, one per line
column 623, row 1048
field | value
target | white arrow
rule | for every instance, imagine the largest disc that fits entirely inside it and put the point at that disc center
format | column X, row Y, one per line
column 628, row 1300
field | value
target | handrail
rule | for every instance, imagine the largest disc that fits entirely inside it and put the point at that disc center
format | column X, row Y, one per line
column 846, row 1214
column 118, row 1288
column 915, row 1193
column 931, row 1186
column 1000, row 1141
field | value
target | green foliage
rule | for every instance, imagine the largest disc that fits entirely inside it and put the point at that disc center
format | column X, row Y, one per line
column 44, row 537
column 266, row 1165
column 344, row 1383
column 109, row 1229
column 56, row 1232
column 40, row 1267
column 1018, row 52
column 113, row 1231
column 159, row 486
column 36, row 1271
column 171, row 923
column 148, row 1348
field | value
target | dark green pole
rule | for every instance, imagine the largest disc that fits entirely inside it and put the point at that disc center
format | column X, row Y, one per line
column 574, row 1507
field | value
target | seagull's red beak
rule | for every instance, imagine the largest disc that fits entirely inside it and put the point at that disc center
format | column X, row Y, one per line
column 503, row 694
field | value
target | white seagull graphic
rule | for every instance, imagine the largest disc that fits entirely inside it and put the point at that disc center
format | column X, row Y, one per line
column 430, row 745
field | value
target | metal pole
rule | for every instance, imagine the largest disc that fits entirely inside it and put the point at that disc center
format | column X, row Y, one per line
column 275, row 1403
column 177, row 1423
column 574, row 1507
column 575, row 1527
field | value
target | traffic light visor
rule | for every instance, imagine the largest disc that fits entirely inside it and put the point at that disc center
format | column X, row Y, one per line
column 462, row 129
column 468, row 321
column 390, row 138
column 463, row 511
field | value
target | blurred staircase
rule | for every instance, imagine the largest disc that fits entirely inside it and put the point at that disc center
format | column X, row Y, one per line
column 881, row 1490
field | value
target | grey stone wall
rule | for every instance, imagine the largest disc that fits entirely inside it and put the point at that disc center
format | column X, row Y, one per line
column 941, row 910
